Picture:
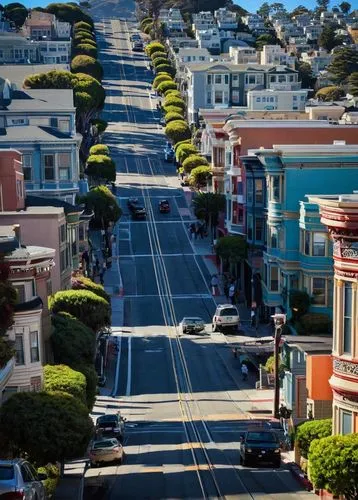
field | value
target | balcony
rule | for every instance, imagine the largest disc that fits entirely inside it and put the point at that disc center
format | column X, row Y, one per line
column 5, row 373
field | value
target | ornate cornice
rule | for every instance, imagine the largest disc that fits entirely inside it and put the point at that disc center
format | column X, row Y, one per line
column 344, row 367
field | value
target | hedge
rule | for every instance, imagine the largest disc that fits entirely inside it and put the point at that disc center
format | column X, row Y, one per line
column 165, row 68
column 166, row 85
column 83, row 283
column 93, row 311
column 162, row 77
column 154, row 47
column 85, row 49
column 172, row 92
column 159, row 54
column 174, row 101
column 177, row 130
column 169, row 117
column 308, row 431
column 63, row 378
column 174, row 109
column 314, row 324
column 87, row 65
column 99, row 149
column 160, row 60
column 184, row 150
column 194, row 161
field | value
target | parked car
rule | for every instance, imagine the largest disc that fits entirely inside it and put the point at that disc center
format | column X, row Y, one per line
column 137, row 210
column 105, row 450
column 226, row 316
column 111, row 425
column 136, row 37
column 169, row 153
column 137, row 46
column 19, row 480
column 164, row 207
column 258, row 445
column 191, row 325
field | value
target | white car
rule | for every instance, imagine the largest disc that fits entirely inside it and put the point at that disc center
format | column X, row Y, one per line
column 226, row 316
column 191, row 325
column 106, row 450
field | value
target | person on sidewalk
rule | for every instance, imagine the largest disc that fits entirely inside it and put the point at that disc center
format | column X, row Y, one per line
column 253, row 318
column 232, row 293
column 214, row 284
column 244, row 371
column 284, row 415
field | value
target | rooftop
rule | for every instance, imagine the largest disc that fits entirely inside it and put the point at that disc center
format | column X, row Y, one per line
column 335, row 200
column 32, row 133
column 41, row 100
column 310, row 344
column 48, row 210
column 220, row 66
column 17, row 73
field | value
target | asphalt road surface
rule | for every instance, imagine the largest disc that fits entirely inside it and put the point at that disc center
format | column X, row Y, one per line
column 185, row 410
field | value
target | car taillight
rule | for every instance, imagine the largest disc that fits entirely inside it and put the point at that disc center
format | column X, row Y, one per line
column 14, row 495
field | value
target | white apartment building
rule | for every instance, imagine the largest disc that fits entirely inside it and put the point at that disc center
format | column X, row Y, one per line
column 55, row 51
column 253, row 21
column 209, row 39
column 226, row 19
column 317, row 59
column 313, row 31
column 276, row 100
column 203, row 21
column 275, row 54
column 243, row 55
column 62, row 30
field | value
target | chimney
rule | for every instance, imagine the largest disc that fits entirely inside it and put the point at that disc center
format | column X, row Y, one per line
column 16, row 229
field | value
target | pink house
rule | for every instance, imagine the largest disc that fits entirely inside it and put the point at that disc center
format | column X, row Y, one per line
column 12, row 193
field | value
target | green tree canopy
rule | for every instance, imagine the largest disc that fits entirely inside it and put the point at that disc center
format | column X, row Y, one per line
column 101, row 168
column 17, row 13
column 105, row 207
column 160, row 60
column 300, row 9
column 86, row 306
column 154, row 47
column 328, row 39
column 88, row 66
column 69, row 13
column 313, row 429
column 331, row 93
column 99, row 149
column 165, row 68
column 305, row 75
column 82, row 26
column 100, row 124
column 193, row 161
column 57, row 428
column 169, row 117
column 73, row 343
column 157, row 54
column 177, row 130
column 162, row 77
column 345, row 7
column 174, row 109
column 184, row 150
column 85, row 49
column 173, row 93
column 300, row 303
column 344, row 63
column 266, row 39
column 200, row 175
column 62, row 378
column 172, row 100
column 333, row 465
column 264, row 10
column 231, row 249
column 82, row 283
column 353, row 83
column 207, row 206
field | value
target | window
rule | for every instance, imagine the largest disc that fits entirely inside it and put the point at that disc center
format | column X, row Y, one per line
column 218, row 79
column 54, row 122
column 307, row 242
column 275, row 188
column 258, row 191
column 27, row 166
column 346, row 422
column 63, row 233
column 64, row 125
column 218, row 97
column 34, row 347
column 226, row 79
column 49, row 161
column 347, row 318
column 19, row 188
column 319, row 244
column 19, row 350
column 21, row 295
column 249, row 190
column 63, row 264
column 249, row 227
column 26, row 474
column 319, row 291
column 274, row 237
column 258, row 99
column 64, row 165
column 235, row 78
column 259, row 224
column 239, row 187
column 274, row 279
column 208, row 79
column 208, row 98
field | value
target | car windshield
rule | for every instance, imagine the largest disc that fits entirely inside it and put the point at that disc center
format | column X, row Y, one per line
column 103, row 444
column 6, row 472
column 261, row 437
column 107, row 418
column 229, row 311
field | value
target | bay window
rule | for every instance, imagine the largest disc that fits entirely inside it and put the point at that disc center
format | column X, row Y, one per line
column 34, row 347
column 319, row 291
column 347, row 318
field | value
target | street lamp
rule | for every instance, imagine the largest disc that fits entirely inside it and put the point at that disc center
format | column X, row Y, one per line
column 279, row 321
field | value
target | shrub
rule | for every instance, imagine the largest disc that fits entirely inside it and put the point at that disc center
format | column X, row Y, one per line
column 63, row 378
column 173, row 93
column 165, row 68
column 169, row 117
column 331, row 93
column 184, row 150
column 177, row 130
column 333, row 465
column 164, row 86
column 99, row 149
column 93, row 311
column 160, row 60
column 154, row 47
column 162, row 77
column 148, row 28
column 313, row 429
column 174, row 101
column 91, row 383
column 53, row 475
column 87, row 65
column 194, row 161
column 314, row 324
column 200, row 175
column 101, row 167
column 82, row 26
column 83, row 283
column 186, row 141
column 174, row 109
column 85, row 49
column 270, row 365
column 155, row 55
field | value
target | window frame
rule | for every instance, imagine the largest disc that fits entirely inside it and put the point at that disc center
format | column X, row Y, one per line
column 19, row 353
column 27, row 168
column 47, row 167
column 276, row 269
column 347, row 315
column 314, row 301
column 34, row 358
column 259, row 191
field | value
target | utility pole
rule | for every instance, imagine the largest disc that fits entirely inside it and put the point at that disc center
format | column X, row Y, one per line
column 279, row 321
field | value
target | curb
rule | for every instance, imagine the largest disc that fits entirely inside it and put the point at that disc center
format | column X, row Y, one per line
column 300, row 476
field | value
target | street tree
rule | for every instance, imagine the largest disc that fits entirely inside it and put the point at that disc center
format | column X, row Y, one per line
column 264, row 10
column 100, row 168
column 162, row 77
column 199, row 176
column 157, row 54
column 160, row 60
column 308, row 431
column 207, row 207
column 86, row 306
column 99, row 149
column 85, row 49
column 344, row 63
column 104, row 205
column 345, row 7
column 177, row 130
column 172, row 100
column 333, row 465
column 69, row 13
column 154, row 46
column 331, row 93
column 88, row 66
column 232, row 250
column 165, row 68
column 173, row 93
column 353, row 84
column 174, row 109
column 57, row 428
column 82, row 26
column 305, row 75
column 169, row 117
column 100, row 125
column 193, row 161
column 79, row 282
column 184, row 150
column 16, row 13
column 62, row 378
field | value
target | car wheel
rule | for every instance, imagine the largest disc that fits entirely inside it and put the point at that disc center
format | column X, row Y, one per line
column 184, row 331
column 277, row 464
column 214, row 328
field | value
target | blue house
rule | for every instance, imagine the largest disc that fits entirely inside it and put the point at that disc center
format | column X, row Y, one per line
column 41, row 124
column 298, row 253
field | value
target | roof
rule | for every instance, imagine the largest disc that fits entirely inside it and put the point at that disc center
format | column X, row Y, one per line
column 31, row 252
column 32, row 133
column 39, row 201
column 224, row 66
column 41, row 100
column 17, row 73
column 8, row 240
column 45, row 210
column 310, row 344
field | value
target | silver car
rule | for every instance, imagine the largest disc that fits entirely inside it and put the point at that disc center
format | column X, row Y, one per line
column 191, row 325
column 106, row 450
column 17, row 476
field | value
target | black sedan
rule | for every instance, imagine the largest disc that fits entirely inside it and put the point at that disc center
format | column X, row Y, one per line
column 259, row 445
column 164, row 207
column 136, row 209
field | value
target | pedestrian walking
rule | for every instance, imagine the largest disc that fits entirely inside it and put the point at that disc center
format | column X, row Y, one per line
column 283, row 412
column 214, row 284
column 244, row 371
column 232, row 293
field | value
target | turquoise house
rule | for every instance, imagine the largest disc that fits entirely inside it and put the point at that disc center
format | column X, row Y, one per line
column 298, row 253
